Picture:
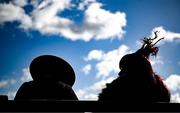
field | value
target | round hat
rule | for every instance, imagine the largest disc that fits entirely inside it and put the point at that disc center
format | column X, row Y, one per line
column 52, row 68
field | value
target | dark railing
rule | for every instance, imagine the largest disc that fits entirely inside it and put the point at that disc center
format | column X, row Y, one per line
column 84, row 106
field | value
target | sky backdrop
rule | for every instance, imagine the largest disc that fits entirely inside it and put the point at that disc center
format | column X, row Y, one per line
column 92, row 35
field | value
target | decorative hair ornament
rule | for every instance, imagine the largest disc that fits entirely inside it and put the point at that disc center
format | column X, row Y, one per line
column 148, row 48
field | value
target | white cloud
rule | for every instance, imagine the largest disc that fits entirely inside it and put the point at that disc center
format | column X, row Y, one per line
column 97, row 23
column 138, row 44
column 20, row 3
column 110, row 61
column 101, row 84
column 11, row 95
column 173, row 82
column 91, row 92
column 34, row 3
column 169, row 36
column 5, row 83
column 45, row 17
column 80, row 93
column 102, row 23
column 175, row 98
column 94, row 55
column 85, row 3
column 156, row 60
column 10, row 13
column 107, row 62
column 26, row 75
column 87, row 68
column 91, row 96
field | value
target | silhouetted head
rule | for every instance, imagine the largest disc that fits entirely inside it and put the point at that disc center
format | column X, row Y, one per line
column 52, row 68
column 133, row 61
column 136, row 65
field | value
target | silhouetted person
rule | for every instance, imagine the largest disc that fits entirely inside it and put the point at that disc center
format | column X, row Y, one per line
column 137, row 82
column 53, row 79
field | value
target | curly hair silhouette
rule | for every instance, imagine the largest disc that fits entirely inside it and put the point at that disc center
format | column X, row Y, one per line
column 53, row 78
column 137, row 82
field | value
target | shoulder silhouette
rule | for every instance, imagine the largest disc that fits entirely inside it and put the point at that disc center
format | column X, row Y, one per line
column 136, row 81
column 53, row 79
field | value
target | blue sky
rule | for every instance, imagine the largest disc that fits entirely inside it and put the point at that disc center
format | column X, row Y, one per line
column 92, row 35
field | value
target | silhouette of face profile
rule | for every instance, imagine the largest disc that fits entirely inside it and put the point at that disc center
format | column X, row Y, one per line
column 52, row 68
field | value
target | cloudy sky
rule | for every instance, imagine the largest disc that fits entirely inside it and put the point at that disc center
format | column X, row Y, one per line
column 92, row 35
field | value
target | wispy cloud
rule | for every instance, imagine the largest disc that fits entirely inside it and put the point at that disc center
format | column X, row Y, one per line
column 91, row 92
column 97, row 22
column 156, row 60
column 169, row 36
column 107, row 62
column 26, row 75
column 87, row 68
column 24, row 78
column 6, row 83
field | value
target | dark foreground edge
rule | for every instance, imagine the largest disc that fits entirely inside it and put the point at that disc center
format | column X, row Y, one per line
column 85, row 106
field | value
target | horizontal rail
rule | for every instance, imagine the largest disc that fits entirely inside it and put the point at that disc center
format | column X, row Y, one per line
column 85, row 106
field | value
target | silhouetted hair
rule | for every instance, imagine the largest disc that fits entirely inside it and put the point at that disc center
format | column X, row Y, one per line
column 137, row 82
